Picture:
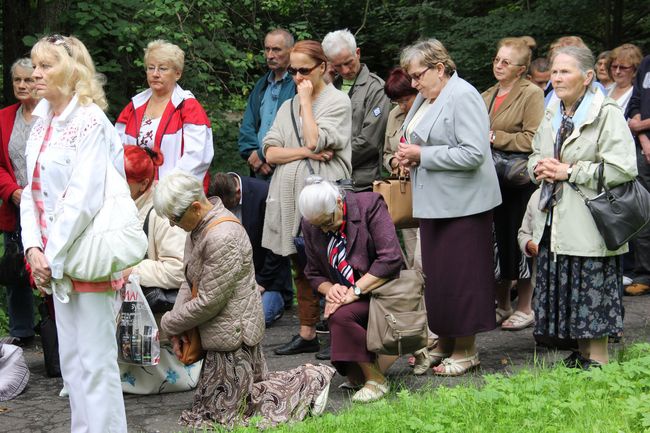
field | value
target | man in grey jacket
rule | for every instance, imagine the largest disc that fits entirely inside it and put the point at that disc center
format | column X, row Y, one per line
column 370, row 106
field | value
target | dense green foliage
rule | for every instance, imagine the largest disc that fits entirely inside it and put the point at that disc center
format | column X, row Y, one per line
column 223, row 39
column 535, row 399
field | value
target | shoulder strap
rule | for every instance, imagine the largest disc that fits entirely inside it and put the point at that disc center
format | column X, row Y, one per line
column 295, row 130
column 145, row 226
column 222, row 220
column 212, row 225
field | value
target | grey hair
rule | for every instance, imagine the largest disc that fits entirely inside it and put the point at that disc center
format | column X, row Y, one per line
column 581, row 54
column 175, row 192
column 318, row 199
column 25, row 63
column 335, row 42
column 288, row 37
column 429, row 53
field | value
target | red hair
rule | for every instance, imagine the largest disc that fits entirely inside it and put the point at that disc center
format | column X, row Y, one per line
column 312, row 49
column 140, row 163
column 398, row 85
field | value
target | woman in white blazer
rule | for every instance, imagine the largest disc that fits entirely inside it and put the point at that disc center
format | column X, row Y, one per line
column 455, row 189
column 68, row 153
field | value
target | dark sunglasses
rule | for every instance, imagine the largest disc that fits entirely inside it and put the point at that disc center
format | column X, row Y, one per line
column 57, row 39
column 303, row 71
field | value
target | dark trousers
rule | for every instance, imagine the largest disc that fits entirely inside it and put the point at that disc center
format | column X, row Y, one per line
column 641, row 242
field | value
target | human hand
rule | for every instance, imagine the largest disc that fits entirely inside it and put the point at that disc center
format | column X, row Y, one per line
column 40, row 268
column 176, row 345
column 261, row 289
column 330, row 308
column 645, row 146
column 336, row 293
column 408, row 154
column 15, row 196
column 635, row 124
column 254, row 161
column 551, row 170
column 265, row 169
column 532, row 248
column 305, row 89
column 324, row 156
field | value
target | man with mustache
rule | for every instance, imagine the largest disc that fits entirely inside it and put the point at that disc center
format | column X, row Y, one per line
column 270, row 91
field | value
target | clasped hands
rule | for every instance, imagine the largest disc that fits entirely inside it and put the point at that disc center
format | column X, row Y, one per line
column 551, row 170
column 336, row 296
column 177, row 344
column 408, row 155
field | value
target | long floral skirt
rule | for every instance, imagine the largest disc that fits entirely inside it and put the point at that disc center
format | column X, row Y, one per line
column 235, row 386
column 577, row 297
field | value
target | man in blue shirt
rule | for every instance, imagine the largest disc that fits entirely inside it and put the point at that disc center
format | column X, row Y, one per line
column 270, row 91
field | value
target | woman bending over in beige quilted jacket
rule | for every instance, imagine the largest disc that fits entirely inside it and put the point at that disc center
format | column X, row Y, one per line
column 235, row 383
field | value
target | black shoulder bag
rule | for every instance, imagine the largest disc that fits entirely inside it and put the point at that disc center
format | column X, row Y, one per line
column 160, row 300
column 619, row 212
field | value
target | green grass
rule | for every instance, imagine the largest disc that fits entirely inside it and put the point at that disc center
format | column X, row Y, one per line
column 535, row 399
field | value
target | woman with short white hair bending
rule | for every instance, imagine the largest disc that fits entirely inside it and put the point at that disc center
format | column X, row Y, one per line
column 235, row 383
column 352, row 248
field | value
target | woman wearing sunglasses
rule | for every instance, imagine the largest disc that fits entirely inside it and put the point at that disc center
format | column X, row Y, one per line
column 622, row 64
column 578, row 284
column 515, row 106
column 310, row 135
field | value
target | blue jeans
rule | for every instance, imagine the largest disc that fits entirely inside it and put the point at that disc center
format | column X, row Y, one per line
column 273, row 306
column 21, row 311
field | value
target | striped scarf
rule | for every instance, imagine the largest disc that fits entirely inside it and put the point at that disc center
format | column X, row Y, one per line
column 37, row 192
column 336, row 250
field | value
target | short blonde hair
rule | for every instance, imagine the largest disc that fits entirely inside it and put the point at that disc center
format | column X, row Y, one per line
column 165, row 52
column 520, row 47
column 429, row 53
column 74, row 71
column 566, row 41
column 627, row 53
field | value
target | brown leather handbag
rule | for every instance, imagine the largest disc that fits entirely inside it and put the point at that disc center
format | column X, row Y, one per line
column 396, row 191
column 193, row 350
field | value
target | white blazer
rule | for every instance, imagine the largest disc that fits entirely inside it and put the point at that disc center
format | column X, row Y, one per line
column 456, row 175
column 73, row 174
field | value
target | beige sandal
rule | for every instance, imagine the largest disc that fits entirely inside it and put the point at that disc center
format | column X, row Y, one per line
column 458, row 367
column 518, row 321
column 503, row 315
column 371, row 391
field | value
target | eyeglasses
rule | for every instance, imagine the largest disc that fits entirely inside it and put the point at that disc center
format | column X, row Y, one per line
column 302, row 71
column 418, row 76
column 504, row 62
column 57, row 39
column 616, row 68
column 161, row 69
column 177, row 219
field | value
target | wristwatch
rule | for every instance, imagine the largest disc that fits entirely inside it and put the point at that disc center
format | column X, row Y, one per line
column 356, row 290
column 569, row 171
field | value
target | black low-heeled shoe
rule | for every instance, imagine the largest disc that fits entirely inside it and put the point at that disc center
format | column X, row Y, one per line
column 589, row 364
column 575, row 360
column 298, row 345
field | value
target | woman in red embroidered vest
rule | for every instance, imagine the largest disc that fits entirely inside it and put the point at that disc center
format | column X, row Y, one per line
column 15, row 124
column 68, row 154
column 167, row 118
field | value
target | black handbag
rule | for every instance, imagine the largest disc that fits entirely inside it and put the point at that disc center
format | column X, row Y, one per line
column 512, row 168
column 12, row 264
column 619, row 212
column 160, row 300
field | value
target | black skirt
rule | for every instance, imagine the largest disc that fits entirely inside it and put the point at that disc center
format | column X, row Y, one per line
column 458, row 262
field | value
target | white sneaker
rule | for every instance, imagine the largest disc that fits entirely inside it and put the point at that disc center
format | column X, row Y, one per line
column 320, row 402
column 627, row 280
column 63, row 392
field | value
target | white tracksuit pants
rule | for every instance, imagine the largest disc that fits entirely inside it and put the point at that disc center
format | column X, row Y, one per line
column 88, row 355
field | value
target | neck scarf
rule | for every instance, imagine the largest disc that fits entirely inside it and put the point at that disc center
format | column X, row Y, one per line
column 336, row 251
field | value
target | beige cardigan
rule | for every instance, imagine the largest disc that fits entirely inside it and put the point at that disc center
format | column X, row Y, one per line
column 393, row 128
column 516, row 121
column 333, row 115
column 163, row 266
